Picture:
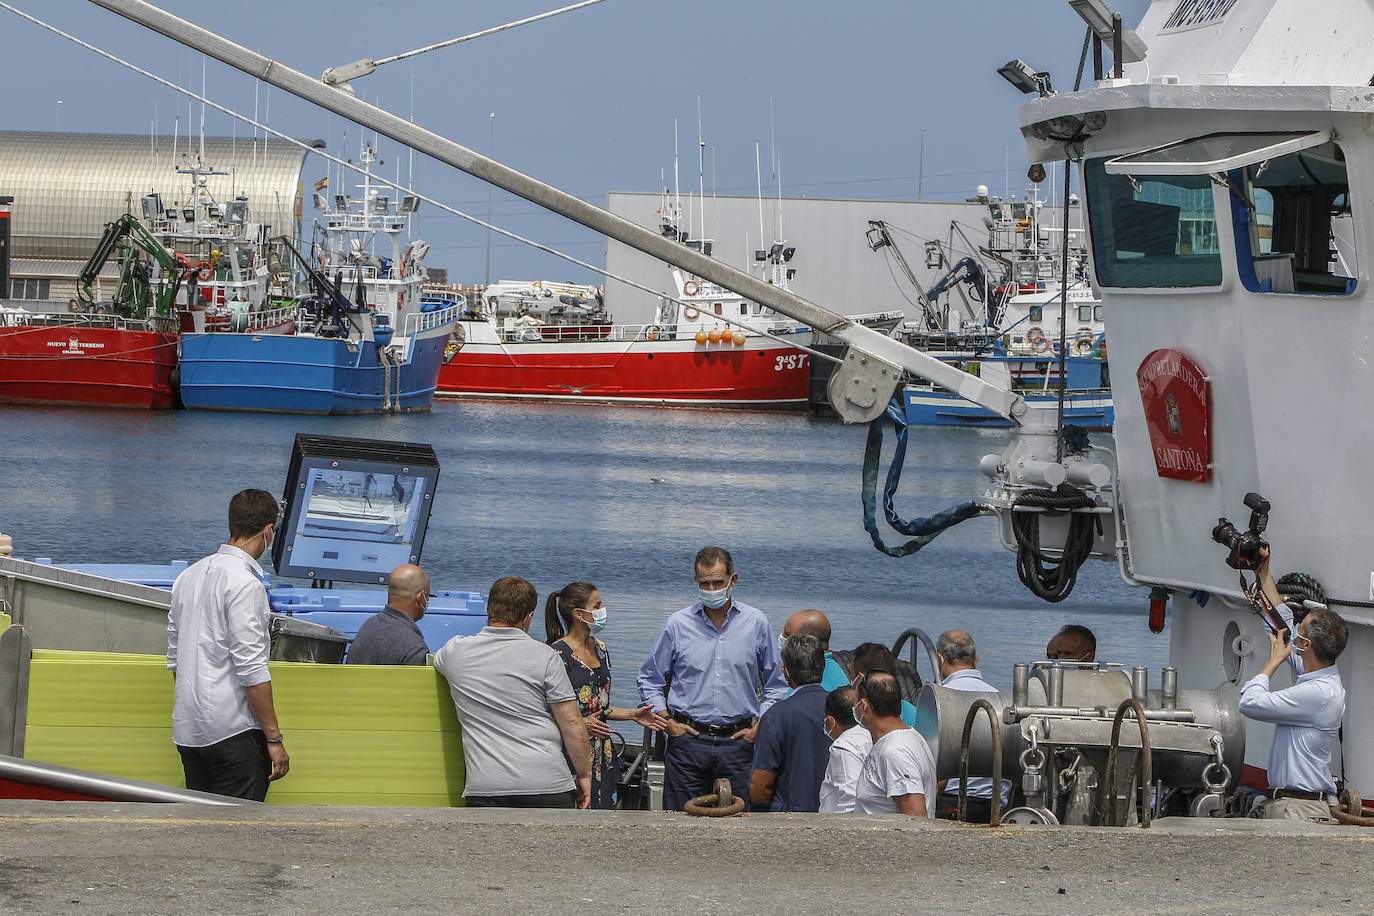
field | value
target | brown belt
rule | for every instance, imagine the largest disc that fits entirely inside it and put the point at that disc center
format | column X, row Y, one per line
column 1303, row 794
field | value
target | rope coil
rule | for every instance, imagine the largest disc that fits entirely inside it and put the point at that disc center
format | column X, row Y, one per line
column 1052, row 578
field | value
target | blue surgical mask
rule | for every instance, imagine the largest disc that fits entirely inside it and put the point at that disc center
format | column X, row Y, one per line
column 782, row 641
column 714, row 599
column 598, row 620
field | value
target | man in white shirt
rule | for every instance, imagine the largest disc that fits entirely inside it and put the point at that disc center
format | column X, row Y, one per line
column 899, row 773
column 958, row 660
column 223, row 721
column 850, row 743
column 518, row 710
column 1306, row 716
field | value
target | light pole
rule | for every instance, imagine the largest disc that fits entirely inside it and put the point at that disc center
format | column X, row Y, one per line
column 59, row 116
column 921, row 176
column 491, row 146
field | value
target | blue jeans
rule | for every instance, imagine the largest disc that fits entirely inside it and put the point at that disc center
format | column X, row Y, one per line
column 693, row 763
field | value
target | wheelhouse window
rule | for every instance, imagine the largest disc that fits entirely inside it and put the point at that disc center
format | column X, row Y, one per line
column 1293, row 223
column 1287, row 195
column 1152, row 230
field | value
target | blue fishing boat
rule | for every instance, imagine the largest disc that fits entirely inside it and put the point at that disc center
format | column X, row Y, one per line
column 363, row 340
column 1087, row 395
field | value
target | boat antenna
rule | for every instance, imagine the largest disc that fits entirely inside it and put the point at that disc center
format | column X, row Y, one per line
column 677, row 188
column 758, row 176
column 773, row 143
column 701, row 172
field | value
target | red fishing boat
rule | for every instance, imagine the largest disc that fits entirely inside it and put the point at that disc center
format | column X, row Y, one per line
column 86, row 360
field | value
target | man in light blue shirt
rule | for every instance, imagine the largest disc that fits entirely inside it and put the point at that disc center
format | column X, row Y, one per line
column 703, row 676
column 1307, row 716
column 958, row 660
column 814, row 623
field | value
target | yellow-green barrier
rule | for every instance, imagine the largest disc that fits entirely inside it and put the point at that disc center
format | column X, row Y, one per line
column 357, row 735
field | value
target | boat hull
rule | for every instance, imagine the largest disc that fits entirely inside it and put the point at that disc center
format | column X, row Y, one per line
column 927, row 407
column 764, row 372
column 298, row 374
column 74, row 365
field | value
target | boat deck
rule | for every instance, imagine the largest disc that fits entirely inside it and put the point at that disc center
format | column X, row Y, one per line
column 118, row 857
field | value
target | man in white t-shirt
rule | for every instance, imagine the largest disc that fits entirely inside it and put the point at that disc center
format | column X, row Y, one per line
column 849, row 747
column 899, row 773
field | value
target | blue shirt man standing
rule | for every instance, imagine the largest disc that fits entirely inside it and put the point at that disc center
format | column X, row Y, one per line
column 792, row 748
column 703, row 676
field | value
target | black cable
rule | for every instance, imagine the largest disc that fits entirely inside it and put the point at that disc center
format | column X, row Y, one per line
column 1048, row 577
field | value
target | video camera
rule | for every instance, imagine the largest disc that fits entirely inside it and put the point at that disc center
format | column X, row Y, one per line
column 1244, row 546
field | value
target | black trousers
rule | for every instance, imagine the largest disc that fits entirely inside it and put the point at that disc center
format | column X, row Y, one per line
column 551, row 800
column 237, row 766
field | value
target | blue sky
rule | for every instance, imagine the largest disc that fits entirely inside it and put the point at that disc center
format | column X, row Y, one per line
column 587, row 100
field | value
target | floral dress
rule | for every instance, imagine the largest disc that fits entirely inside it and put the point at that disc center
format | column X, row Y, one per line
column 593, row 689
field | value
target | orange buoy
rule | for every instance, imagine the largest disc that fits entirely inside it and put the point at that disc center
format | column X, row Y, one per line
column 726, row 335
column 715, row 336
column 739, row 338
column 701, row 337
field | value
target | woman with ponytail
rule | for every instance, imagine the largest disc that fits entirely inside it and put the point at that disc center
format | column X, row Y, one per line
column 572, row 617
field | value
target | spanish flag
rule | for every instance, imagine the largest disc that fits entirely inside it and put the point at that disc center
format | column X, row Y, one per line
column 322, row 184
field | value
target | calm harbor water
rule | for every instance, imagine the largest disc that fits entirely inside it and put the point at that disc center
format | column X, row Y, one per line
column 559, row 493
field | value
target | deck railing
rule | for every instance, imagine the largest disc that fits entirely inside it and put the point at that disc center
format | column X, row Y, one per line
column 424, row 321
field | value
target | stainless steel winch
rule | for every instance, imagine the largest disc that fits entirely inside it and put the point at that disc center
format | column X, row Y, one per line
column 1072, row 733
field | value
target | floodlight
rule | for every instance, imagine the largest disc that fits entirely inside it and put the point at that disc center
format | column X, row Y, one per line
column 238, row 210
column 1104, row 23
column 760, row 255
column 410, row 203
column 320, row 202
column 380, row 203
column 152, row 206
column 788, row 252
column 1021, row 75
column 188, row 214
column 340, row 202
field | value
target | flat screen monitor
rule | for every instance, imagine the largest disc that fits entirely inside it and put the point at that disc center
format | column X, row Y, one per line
column 354, row 509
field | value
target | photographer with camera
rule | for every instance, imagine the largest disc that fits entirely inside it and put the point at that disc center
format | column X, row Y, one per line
column 1306, row 716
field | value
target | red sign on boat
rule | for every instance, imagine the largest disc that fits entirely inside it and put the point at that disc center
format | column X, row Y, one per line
column 1178, row 402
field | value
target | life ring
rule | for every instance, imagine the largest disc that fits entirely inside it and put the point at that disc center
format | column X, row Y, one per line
column 691, row 288
column 1083, row 344
column 690, row 313
column 653, row 332
column 1039, row 344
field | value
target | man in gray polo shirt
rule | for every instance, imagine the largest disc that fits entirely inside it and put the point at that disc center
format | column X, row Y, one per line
column 517, row 708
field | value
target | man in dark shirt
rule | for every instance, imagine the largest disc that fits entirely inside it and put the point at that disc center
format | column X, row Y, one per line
column 391, row 637
column 792, row 748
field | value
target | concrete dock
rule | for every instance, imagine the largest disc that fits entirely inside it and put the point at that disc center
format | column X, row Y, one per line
column 119, row 858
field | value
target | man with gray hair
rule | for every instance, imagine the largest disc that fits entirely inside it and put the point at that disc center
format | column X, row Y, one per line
column 393, row 637
column 792, row 748
column 1306, row 716
column 958, row 660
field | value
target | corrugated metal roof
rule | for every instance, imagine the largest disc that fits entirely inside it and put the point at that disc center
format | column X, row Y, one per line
column 67, row 186
column 54, row 269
